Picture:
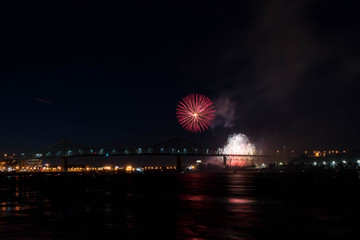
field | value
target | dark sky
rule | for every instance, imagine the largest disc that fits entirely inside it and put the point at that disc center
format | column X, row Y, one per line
column 279, row 71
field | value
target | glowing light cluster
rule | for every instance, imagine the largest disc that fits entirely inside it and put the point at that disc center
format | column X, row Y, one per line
column 238, row 144
column 195, row 112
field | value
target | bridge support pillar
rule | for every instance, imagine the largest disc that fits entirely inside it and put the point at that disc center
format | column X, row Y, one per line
column 178, row 163
column 224, row 162
column 65, row 164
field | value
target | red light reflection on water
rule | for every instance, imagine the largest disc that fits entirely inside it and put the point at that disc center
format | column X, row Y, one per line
column 218, row 206
column 195, row 198
column 240, row 201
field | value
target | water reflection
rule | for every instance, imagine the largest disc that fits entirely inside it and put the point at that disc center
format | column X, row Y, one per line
column 226, row 209
column 243, row 205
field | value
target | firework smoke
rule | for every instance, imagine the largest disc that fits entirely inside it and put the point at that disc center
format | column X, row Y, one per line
column 225, row 112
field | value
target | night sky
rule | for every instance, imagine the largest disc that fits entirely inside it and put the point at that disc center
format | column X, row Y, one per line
column 111, row 74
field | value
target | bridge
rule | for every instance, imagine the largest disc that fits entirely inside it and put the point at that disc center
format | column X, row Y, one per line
column 174, row 147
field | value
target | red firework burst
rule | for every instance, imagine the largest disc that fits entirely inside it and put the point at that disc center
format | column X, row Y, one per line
column 195, row 112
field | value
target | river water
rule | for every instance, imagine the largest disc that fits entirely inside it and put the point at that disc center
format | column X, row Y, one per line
column 242, row 205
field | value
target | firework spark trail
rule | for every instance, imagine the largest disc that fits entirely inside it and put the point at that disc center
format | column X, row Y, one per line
column 238, row 144
column 195, row 112
column 42, row 100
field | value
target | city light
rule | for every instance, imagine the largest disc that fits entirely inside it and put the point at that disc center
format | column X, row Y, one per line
column 191, row 167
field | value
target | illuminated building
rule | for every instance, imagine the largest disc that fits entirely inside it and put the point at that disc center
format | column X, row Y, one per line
column 325, row 153
column 31, row 163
